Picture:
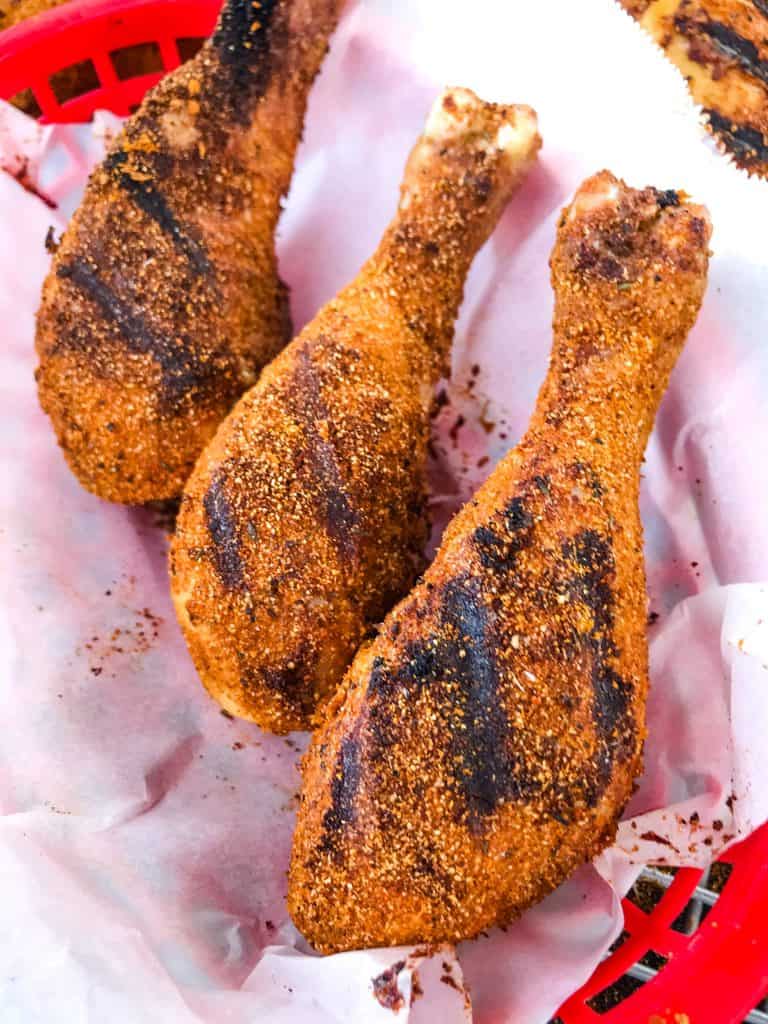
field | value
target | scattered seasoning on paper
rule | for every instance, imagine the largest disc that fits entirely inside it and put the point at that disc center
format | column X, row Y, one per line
column 385, row 988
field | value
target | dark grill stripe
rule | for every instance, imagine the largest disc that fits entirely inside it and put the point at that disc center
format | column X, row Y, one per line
column 344, row 787
column 588, row 557
column 181, row 367
column 148, row 197
column 222, row 527
column 248, row 47
column 457, row 662
column 728, row 42
column 746, row 143
column 327, row 485
column 487, row 767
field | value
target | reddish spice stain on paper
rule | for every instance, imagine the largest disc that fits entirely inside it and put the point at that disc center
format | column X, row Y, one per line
column 385, row 989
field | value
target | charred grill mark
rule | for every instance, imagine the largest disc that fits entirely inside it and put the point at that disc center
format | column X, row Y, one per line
column 742, row 50
column 516, row 517
column 144, row 187
column 585, row 472
column 247, row 42
column 182, row 369
column 344, row 787
column 499, row 542
column 487, row 768
column 288, row 681
column 294, row 680
column 666, row 197
column 222, row 527
column 746, row 143
column 589, row 559
column 457, row 663
column 327, row 487
column 493, row 550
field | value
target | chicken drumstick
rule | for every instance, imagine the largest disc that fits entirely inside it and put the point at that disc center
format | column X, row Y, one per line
column 163, row 301
column 304, row 519
column 486, row 742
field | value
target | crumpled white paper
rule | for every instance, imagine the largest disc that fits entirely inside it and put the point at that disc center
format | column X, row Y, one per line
column 144, row 837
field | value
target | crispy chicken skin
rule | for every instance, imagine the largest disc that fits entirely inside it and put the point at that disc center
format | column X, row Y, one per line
column 163, row 301
column 485, row 743
column 721, row 46
column 304, row 520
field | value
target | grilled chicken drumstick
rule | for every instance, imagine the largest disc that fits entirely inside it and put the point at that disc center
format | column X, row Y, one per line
column 485, row 743
column 304, row 519
column 163, row 301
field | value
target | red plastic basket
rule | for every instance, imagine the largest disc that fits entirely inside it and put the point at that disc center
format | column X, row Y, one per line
column 696, row 955
column 92, row 39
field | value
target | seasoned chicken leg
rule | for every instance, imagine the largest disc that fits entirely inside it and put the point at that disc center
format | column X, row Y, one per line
column 163, row 301
column 721, row 49
column 485, row 743
column 304, row 519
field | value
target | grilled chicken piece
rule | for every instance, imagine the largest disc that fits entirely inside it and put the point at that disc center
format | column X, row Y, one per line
column 163, row 301
column 721, row 46
column 12, row 12
column 304, row 520
column 485, row 743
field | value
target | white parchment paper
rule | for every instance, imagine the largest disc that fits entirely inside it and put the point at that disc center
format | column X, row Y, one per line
column 144, row 837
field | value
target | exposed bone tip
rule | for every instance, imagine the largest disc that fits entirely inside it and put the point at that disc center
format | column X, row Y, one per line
column 459, row 111
column 605, row 189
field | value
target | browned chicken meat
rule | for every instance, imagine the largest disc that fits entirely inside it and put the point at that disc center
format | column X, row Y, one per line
column 304, row 519
column 485, row 743
column 163, row 301
column 721, row 46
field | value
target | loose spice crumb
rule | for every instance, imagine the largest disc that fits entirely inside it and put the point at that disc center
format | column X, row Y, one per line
column 385, row 988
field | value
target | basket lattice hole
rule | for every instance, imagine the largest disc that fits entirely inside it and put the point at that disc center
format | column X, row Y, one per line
column 653, row 960
column 188, row 46
column 703, row 898
column 638, row 974
column 760, row 1013
column 27, row 103
column 140, row 59
column 74, row 80
column 648, row 891
column 716, row 880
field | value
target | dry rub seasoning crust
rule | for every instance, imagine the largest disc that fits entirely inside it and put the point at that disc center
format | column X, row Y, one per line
column 14, row 11
column 304, row 520
column 485, row 743
column 163, row 301
column 721, row 46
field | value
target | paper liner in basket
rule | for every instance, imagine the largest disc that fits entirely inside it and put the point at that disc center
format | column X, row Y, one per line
column 145, row 837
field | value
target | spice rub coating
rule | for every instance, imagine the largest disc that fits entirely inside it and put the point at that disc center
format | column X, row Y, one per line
column 721, row 47
column 484, row 744
column 305, row 520
column 163, row 301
